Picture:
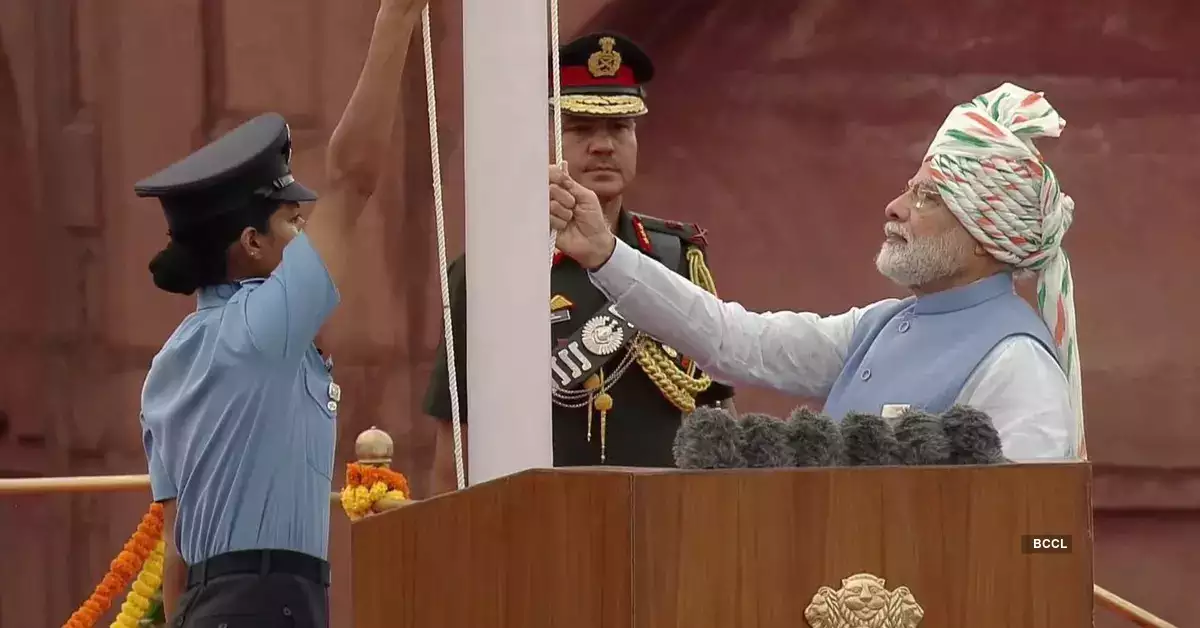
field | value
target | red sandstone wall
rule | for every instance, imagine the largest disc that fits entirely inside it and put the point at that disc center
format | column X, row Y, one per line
column 788, row 123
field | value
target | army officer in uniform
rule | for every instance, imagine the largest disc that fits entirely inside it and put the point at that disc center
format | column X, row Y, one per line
column 618, row 395
column 239, row 406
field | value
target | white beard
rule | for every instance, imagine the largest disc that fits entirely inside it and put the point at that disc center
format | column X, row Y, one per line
column 917, row 262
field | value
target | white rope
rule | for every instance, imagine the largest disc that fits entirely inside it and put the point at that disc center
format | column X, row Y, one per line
column 440, row 218
column 439, row 214
column 555, row 103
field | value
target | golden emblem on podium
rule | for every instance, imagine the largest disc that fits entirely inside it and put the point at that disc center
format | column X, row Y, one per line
column 606, row 61
column 864, row 602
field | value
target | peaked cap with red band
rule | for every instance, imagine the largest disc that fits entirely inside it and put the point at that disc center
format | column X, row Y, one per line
column 603, row 76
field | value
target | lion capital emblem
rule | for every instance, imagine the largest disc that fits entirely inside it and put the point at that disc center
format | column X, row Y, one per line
column 864, row 602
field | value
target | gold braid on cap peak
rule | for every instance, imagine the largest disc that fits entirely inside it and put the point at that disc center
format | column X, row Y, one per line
column 678, row 385
column 603, row 105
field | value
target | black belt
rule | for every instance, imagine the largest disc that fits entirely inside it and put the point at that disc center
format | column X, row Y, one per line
column 260, row 562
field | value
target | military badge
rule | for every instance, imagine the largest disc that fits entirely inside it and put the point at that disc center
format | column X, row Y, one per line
column 603, row 335
column 606, row 61
column 560, row 309
column 572, row 361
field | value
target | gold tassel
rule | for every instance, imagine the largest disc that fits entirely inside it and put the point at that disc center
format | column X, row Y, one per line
column 603, row 403
column 592, row 385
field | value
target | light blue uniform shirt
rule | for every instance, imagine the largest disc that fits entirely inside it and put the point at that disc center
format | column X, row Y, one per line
column 238, row 414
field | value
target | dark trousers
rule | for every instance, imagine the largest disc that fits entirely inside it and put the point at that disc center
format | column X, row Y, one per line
column 259, row 589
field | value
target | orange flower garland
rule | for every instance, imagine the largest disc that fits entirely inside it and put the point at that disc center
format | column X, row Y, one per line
column 367, row 485
column 366, row 475
column 123, row 569
column 137, row 600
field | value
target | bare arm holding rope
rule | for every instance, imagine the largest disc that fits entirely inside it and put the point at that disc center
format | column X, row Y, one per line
column 360, row 142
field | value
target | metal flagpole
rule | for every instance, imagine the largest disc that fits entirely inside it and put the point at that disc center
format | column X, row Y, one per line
column 505, row 152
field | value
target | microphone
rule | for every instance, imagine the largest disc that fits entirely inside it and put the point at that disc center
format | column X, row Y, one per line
column 815, row 439
column 922, row 439
column 972, row 437
column 765, row 441
column 869, row 441
column 708, row 438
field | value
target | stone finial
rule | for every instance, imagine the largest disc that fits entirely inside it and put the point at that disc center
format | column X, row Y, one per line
column 374, row 447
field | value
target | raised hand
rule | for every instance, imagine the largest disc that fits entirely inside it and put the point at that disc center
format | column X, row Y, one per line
column 577, row 218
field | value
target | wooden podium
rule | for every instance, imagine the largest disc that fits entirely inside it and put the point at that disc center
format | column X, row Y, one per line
column 895, row 547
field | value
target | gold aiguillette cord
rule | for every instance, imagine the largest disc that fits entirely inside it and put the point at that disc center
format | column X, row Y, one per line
column 603, row 402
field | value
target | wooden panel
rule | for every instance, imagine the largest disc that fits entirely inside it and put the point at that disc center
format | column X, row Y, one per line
column 587, row 548
column 533, row 551
column 751, row 548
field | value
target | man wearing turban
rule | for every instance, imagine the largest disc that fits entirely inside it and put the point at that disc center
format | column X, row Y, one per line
column 982, row 210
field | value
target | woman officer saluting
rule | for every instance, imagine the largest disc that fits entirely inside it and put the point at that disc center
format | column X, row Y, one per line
column 238, row 408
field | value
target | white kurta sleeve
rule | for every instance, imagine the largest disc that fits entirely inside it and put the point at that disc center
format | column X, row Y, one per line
column 793, row 352
column 1023, row 389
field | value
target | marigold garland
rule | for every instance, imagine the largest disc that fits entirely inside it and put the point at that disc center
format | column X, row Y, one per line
column 366, row 485
column 366, row 475
column 122, row 570
column 138, row 600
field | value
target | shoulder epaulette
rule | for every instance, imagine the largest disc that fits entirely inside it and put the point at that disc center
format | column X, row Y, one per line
column 690, row 233
column 674, row 374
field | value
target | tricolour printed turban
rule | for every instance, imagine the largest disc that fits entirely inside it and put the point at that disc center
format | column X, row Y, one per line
column 994, row 180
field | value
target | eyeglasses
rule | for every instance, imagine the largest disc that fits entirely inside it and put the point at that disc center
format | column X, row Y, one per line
column 923, row 194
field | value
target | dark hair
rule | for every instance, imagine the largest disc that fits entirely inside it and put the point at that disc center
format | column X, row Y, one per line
column 200, row 258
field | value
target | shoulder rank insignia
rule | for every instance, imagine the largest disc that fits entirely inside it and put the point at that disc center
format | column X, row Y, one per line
column 639, row 230
column 606, row 61
column 560, row 308
column 690, row 233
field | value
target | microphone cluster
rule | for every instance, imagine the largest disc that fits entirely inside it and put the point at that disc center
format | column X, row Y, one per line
column 712, row 438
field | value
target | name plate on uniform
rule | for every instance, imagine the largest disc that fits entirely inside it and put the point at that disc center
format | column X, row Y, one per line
column 590, row 348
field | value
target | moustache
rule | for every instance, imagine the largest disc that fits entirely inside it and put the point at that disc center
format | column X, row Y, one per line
column 892, row 229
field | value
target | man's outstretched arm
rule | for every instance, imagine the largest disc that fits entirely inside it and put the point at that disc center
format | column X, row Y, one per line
column 794, row 352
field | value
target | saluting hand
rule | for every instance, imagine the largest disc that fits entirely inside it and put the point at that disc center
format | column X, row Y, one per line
column 578, row 219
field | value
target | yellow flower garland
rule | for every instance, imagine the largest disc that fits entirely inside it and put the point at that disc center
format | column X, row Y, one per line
column 137, row 601
column 367, row 485
column 123, row 569
column 358, row 500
